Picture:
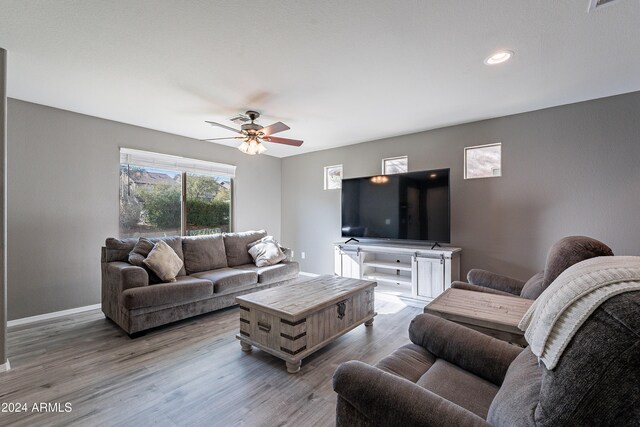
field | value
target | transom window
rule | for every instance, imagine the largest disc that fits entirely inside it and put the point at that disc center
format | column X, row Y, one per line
column 395, row 165
column 483, row 161
column 163, row 195
column 333, row 177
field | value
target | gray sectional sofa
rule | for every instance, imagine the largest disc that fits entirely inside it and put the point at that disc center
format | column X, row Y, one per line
column 216, row 269
column 450, row 375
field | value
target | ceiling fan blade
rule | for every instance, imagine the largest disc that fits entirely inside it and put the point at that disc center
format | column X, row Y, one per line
column 286, row 141
column 223, row 126
column 275, row 128
column 219, row 139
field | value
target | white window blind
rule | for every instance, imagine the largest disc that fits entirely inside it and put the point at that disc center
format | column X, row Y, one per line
column 183, row 164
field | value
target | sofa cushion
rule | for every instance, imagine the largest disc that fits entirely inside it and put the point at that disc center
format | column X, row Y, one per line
column 459, row 386
column 516, row 402
column 266, row 251
column 164, row 262
column 533, row 288
column 227, row 279
column 120, row 244
column 273, row 273
column 184, row 289
column 118, row 249
column 236, row 246
column 409, row 362
column 204, row 253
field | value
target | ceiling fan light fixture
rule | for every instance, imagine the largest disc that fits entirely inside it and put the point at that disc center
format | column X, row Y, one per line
column 244, row 147
column 261, row 148
column 252, row 147
column 253, row 134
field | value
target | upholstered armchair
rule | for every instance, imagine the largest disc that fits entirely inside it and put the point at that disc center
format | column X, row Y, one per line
column 454, row 376
column 562, row 255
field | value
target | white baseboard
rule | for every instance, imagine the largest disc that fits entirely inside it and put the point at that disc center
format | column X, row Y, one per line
column 304, row 273
column 5, row 366
column 47, row 316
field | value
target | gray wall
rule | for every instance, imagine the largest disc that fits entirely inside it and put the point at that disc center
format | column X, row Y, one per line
column 63, row 199
column 567, row 170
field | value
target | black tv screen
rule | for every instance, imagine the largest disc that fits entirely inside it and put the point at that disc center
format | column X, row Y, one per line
column 404, row 206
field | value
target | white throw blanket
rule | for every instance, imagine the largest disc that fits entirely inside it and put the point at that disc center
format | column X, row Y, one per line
column 562, row 308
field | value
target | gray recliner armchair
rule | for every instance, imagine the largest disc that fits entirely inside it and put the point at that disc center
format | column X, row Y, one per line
column 562, row 255
column 454, row 376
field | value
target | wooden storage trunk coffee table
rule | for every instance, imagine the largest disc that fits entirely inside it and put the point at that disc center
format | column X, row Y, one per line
column 491, row 314
column 294, row 320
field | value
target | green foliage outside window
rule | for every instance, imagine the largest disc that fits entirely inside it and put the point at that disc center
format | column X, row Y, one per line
column 154, row 207
column 162, row 207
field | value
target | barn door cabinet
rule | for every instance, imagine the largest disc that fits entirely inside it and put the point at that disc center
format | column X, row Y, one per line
column 408, row 271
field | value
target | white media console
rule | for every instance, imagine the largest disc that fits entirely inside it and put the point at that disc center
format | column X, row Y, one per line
column 411, row 271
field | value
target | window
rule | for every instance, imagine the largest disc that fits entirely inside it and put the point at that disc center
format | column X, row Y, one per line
column 395, row 165
column 163, row 195
column 333, row 177
column 483, row 161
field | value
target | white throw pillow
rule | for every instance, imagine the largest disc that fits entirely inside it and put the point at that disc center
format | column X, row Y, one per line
column 163, row 261
column 266, row 251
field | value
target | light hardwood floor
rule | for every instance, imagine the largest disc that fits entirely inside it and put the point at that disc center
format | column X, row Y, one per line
column 190, row 373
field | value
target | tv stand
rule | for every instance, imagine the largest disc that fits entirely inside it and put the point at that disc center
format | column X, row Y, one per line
column 353, row 239
column 413, row 272
column 435, row 244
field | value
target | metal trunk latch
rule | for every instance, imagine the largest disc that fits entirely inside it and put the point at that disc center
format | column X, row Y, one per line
column 342, row 307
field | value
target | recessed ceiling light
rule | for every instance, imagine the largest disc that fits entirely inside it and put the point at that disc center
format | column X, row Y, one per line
column 499, row 57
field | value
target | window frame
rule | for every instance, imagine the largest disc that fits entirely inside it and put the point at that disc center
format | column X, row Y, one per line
column 384, row 171
column 326, row 176
column 466, row 149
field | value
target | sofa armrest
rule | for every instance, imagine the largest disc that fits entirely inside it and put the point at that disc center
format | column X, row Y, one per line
column 476, row 288
column 471, row 350
column 121, row 276
column 384, row 399
column 495, row 281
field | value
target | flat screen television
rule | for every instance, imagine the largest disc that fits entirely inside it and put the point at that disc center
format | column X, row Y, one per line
column 406, row 206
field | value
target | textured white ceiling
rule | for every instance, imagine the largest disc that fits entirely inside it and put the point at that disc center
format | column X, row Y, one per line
column 337, row 71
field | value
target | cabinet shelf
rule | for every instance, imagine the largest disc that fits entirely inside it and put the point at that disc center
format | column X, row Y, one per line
column 405, row 270
column 402, row 266
column 390, row 278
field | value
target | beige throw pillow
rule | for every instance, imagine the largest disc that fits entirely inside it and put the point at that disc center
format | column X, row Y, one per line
column 164, row 261
column 266, row 251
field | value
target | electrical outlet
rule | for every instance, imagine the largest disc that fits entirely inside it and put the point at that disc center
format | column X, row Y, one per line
column 293, row 254
column 302, row 255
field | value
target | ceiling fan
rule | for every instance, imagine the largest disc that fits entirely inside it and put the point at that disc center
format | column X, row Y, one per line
column 253, row 134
